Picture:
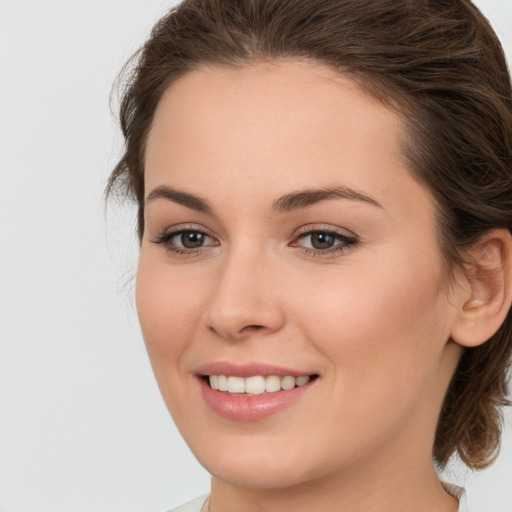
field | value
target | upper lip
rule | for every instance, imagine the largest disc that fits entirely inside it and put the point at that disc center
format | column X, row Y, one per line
column 247, row 370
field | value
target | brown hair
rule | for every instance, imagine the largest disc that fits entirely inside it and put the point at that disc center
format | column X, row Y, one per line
column 439, row 63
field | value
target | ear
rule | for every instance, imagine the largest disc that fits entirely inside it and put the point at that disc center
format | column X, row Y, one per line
column 486, row 294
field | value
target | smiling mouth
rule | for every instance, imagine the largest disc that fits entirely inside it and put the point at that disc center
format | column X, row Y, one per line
column 257, row 384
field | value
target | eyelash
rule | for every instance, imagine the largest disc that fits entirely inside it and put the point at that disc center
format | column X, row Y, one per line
column 342, row 241
column 165, row 239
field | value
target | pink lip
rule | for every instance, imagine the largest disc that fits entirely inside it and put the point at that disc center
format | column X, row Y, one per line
column 247, row 370
column 249, row 408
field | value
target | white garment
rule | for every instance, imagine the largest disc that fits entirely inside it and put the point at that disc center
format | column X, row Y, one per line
column 457, row 492
column 192, row 506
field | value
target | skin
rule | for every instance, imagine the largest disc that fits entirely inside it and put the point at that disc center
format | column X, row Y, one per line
column 373, row 320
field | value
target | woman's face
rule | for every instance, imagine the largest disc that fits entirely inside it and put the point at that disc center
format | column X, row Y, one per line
column 284, row 237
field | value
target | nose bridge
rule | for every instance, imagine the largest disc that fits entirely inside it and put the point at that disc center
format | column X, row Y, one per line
column 245, row 297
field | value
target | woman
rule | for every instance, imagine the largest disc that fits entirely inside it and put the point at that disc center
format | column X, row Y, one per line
column 325, row 277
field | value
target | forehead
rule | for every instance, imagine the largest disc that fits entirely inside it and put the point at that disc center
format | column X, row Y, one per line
column 302, row 92
column 269, row 101
column 272, row 123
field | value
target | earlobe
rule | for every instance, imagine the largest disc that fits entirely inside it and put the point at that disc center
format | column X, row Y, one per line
column 489, row 281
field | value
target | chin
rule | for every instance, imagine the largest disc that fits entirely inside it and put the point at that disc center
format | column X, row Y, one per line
column 271, row 475
column 260, row 464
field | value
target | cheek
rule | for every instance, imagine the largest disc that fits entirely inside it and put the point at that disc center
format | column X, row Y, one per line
column 169, row 309
column 387, row 323
column 383, row 334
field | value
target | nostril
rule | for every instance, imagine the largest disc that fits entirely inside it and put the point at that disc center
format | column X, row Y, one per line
column 246, row 330
column 251, row 328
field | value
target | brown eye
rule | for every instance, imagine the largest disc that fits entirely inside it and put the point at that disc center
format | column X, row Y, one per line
column 191, row 239
column 185, row 241
column 321, row 240
column 324, row 242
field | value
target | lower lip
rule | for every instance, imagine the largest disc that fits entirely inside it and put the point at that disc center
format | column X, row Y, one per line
column 251, row 408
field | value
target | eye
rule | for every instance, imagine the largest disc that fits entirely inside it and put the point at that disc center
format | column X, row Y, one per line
column 189, row 239
column 323, row 242
column 184, row 241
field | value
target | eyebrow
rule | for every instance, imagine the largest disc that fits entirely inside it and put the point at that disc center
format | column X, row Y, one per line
column 304, row 198
column 177, row 196
column 289, row 202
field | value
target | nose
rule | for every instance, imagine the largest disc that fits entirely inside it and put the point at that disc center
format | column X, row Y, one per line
column 245, row 301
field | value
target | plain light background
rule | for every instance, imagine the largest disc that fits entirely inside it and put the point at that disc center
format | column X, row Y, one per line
column 82, row 424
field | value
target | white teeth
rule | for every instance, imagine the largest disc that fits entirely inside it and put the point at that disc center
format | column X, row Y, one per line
column 300, row 381
column 214, row 381
column 223, row 383
column 272, row 383
column 257, row 384
column 288, row 382
column 236, row 385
